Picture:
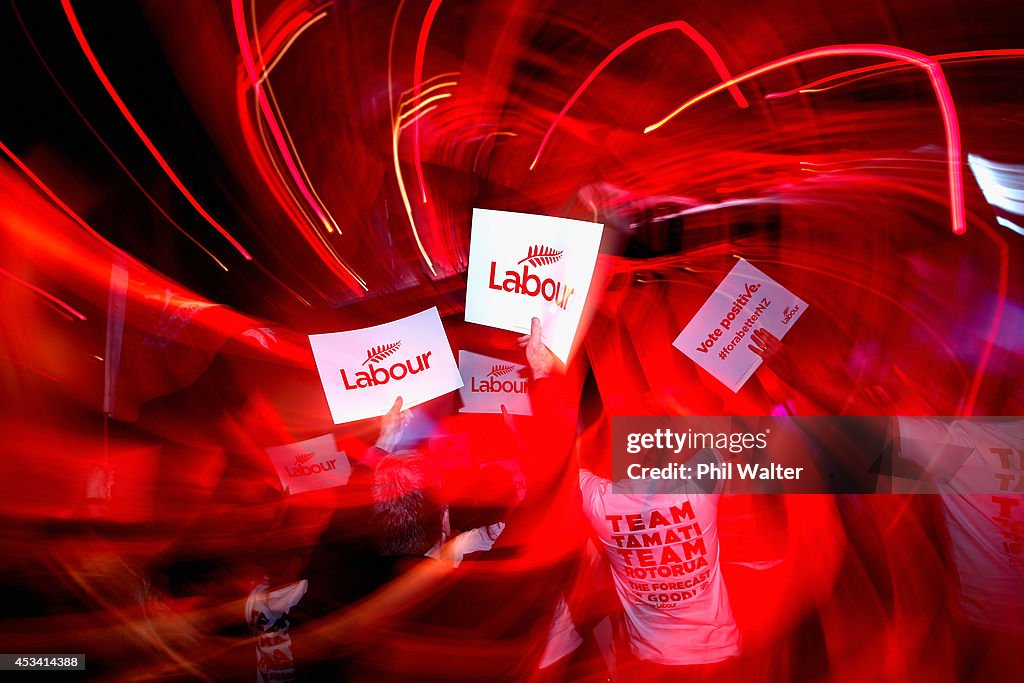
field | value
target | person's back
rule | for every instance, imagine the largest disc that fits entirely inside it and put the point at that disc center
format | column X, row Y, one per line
column 664, row 553
column 976, row 464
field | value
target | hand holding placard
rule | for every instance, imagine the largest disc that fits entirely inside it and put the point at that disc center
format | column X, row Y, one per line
column 538, row 356
column 744, row 308
column 523, row 266
column 363, row 371
column 770, row 349
column 392, row 426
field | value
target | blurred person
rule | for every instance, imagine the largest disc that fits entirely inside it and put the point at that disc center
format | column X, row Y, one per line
column 495, row 499
column 820, row 379
column 409, row 515
column 267, row 613
column 275, row 595
column 663, row 549
column 490, row 618
column 976, row 465
column 411, row 519
column 482, row 521
column 661, row 542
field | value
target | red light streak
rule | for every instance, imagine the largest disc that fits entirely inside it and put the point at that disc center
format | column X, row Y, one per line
column 397, row 126
column 692, row 33
column 43, row 293
column 391, row 53
column 101, row 74
column 333, row 225
column 267, row 167
column 54, row 198
column 416, row 111
column 291, row 40
column 417, row 83
column 485, row 138
column 938, row 82
column 110, row 151
column 242, row 33
column 875, row 68
column 320, row 246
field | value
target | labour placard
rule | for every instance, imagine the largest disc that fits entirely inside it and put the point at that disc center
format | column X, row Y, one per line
column 746, row 300
column 310, row 465
column 523, row 266
column 363, row 371
column 489, row 383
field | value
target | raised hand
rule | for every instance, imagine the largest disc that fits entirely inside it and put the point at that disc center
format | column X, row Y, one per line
column 770, row 349
column 538, row 356
column 392, row 426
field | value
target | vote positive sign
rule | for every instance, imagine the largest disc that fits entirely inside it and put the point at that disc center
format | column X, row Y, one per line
column 717, row 337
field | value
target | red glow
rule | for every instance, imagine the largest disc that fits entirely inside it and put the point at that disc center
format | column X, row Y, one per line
column 163, row 416
column 326, row 251
column 689, row 31
column 238, row 13
column 98, row 70
column 46, row 295
column 938, row 81
column 417, row 83
column 815, row 86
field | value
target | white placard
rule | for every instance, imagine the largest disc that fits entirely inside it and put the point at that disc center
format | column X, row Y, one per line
column 523, row 266
column 364, row 371
column 717, row 337
column 489, row 383
column 310, row 465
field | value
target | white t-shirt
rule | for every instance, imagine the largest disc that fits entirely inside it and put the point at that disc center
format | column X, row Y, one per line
column 563, row 638
column 266, row 612
column 977, row 467
column 663, row 551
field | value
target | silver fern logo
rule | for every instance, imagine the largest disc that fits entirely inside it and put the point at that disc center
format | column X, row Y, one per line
column 376, row 354
column 303, row 458
column 539, row 255
column 499, row 370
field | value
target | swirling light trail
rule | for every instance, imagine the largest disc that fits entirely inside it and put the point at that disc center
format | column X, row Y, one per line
column 935, row 76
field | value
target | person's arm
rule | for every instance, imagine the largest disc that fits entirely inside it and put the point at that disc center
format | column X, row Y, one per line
column 546, row 524
column 825, row 386
column 554, row 398
column 933, row 444
column 542, row 362
column 392, row 428
column 549, row 435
